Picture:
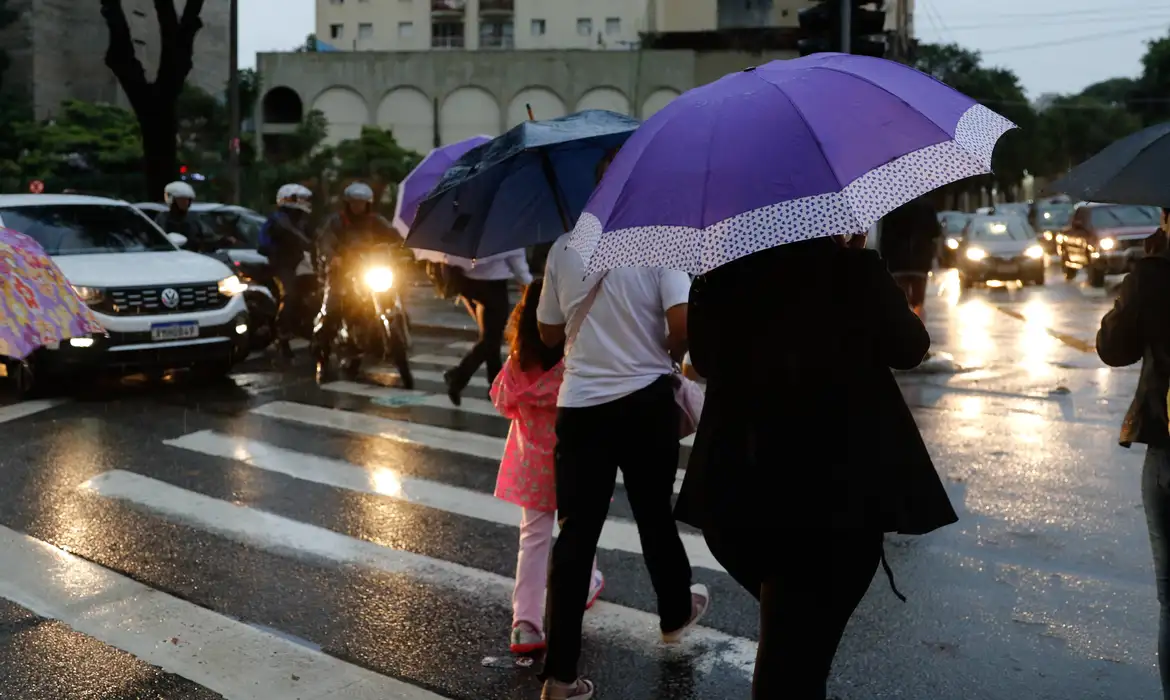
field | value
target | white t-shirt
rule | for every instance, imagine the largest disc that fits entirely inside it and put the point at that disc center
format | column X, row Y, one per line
column 621, row 346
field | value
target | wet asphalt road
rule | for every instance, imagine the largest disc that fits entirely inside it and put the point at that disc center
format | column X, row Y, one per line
column 357, row 520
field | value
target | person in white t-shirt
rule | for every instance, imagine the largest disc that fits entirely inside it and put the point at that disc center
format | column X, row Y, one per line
column 616, row 409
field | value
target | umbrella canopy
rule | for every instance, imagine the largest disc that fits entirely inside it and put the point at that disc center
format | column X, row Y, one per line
column 38, row 306
column 415, row 186
column 520, row 189
column 1129, row 171
column 788, row 151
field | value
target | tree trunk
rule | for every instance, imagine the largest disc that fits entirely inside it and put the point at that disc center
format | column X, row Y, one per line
column 160, row 151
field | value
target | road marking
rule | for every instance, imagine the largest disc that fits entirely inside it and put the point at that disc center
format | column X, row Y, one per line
column 228, row 657
column 281, row 535
column 1068, row 340
column 481, row 407
column 441, row 360
column 428, row 375
column 431, row 436
column 27, row 408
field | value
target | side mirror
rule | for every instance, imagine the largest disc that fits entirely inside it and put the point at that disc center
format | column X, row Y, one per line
column 178, row 239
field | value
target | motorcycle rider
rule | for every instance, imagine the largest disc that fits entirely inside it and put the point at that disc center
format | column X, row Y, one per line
column 179, row 196
column 346, row 233
column 284, row 241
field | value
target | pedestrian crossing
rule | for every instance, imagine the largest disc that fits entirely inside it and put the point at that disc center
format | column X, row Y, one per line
column 349, row 480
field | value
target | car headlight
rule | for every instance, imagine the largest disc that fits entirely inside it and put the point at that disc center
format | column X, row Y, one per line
column 379, row 279
column 1107, row 244
column 1048, row 235
column 1035, row 252
column 231, row 286
column 90, row 295
column 953, row 243
column 976, row 254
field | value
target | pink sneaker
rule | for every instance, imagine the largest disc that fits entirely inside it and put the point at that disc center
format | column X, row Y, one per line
column 526, row 639
column 595, row 588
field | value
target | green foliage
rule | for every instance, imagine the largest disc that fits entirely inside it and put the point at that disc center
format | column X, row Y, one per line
column 1151, row 96
column 1075, row 127
column 308, row 46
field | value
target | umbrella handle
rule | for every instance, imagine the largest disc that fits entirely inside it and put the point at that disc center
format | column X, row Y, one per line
column 531, row 117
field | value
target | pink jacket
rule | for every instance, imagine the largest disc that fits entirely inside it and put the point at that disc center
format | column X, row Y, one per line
column 529, row 399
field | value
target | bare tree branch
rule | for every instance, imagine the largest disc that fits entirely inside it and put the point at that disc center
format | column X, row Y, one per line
column 164, row 12
column 191, row 16
column 176, row 58
column 120, row 56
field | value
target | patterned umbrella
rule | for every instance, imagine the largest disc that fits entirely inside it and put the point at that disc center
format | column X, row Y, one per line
column 37, row 304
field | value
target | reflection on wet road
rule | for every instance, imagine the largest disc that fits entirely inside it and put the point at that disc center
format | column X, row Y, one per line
column 267, row 538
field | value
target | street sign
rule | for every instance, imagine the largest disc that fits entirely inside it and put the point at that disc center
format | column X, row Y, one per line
column 36, row 187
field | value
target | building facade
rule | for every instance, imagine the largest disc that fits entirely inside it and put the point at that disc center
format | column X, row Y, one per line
column 57, row 51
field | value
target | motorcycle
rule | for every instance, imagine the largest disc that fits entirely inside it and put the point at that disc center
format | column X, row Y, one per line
column 262, row 295
column 375, row 325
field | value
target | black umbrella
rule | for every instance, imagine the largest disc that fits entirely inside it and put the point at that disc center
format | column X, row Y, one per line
column 1130, row 171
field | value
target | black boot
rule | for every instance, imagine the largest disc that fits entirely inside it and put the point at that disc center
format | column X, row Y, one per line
column 453, row 392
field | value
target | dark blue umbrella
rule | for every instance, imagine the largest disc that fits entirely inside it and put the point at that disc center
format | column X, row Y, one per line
column 1129, row 171
column 524, row 188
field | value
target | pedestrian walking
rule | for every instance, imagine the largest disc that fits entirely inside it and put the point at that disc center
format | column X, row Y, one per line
column 484, row 288
column 793, row 497
column 525, row 392
column 1135, row 330
column 616, row 409
column 908, row 243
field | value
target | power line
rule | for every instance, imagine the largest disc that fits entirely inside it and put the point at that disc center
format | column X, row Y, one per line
column 1066, row 41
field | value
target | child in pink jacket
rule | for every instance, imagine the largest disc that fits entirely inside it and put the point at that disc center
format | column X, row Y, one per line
column 525, row 391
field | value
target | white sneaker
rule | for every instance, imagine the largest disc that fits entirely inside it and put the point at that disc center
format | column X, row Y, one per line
column 700, row 601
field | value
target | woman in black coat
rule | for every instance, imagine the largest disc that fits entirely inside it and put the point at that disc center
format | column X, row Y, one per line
column 806, row 452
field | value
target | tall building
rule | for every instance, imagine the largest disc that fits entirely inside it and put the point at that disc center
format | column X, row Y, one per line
column 57, row 50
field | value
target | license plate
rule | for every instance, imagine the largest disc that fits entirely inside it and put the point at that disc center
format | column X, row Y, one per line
column 1008, row 269
column 174, row 331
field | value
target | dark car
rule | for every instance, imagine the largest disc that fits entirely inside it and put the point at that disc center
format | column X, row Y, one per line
column 1105, row 239
column 953, row 223
column 1050, row 219
column 1000, row 248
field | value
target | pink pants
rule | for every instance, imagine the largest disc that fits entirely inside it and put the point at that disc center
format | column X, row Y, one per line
column 536, row 530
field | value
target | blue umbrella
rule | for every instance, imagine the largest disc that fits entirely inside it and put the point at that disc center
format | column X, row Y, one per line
column 524, row 188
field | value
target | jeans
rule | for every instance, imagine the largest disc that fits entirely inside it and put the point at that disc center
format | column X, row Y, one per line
column 489, row 298
column 639, row 434
column 807, row 590
column 1156, row 499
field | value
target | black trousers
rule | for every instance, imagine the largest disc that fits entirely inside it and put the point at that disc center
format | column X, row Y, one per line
column 639, row 434
column 808, row 588
column 489, row 298
column 286, row 321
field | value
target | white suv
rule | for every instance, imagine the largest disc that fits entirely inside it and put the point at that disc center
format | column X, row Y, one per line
column 163, row 308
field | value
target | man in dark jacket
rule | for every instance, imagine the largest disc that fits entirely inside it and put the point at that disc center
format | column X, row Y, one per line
column 908, row 243
column 356, row 227
column 1138, row 328
column 179, row 196
column 283, row 240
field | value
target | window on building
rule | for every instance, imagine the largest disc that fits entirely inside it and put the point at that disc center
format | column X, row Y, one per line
column 538, row 27
column 405, row 30
column 613, row 25
column 365, row 30
column 496, row 35
column 337, row 31
column 584, row 27
column 447, row 35
column 336, row 2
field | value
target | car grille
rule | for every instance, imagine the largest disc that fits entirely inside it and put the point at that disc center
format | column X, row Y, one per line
column 147, row 301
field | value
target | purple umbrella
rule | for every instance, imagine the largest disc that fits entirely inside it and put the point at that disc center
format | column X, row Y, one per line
column 788, row 151
column 418, row 184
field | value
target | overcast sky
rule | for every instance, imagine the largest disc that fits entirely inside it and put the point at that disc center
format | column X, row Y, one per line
column 1053, row 45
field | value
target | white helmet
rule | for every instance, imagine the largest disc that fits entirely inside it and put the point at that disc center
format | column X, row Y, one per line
column 295, row 196
column 359, row 192
column 178, row 190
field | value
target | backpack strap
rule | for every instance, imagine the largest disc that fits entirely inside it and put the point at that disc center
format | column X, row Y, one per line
column 573, row 327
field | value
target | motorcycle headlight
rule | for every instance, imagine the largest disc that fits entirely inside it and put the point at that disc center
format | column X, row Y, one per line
column 231, row 286
column 1107, row 243
column 90, row 295
column 379, row 279
column 1035, row 252
column 953, row 243
column 976, row 254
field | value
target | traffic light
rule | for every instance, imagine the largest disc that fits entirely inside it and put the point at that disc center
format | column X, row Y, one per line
column 821, row 26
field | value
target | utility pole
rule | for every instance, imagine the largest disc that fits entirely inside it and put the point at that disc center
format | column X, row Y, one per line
column 846, row 29
column 234, row 101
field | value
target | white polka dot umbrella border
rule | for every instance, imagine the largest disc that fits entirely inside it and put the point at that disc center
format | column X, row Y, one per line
column 853, row 210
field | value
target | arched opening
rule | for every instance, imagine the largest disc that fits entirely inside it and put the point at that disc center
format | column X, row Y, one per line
column 283, row 105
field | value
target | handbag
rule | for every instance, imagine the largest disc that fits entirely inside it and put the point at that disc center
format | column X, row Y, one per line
column 688, row 395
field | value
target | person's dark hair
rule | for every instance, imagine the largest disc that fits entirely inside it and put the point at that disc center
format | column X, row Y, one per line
column 524, row 336
column 604, row 164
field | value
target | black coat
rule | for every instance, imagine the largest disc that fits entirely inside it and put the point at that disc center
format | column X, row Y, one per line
column 804, row 426
column 909, row 237
column 1138, row 328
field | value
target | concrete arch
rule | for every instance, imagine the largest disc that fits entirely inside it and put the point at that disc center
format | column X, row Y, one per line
column 605, row 98
column 346, row 112
column 657, row 100
column 282, row 105
column 410, row 115
column 468, row 111
column 546, row 104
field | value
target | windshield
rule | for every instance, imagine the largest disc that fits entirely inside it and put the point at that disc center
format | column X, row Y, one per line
column 953, row 224
column 1123, row 215
column 1005, row 228
column 78, row 229
column 1054, row 216
column 240, row 224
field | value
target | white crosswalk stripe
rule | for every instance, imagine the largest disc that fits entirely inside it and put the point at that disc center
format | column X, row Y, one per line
column 352, row 438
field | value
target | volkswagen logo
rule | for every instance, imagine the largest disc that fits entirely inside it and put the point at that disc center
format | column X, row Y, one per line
column 170, row 298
